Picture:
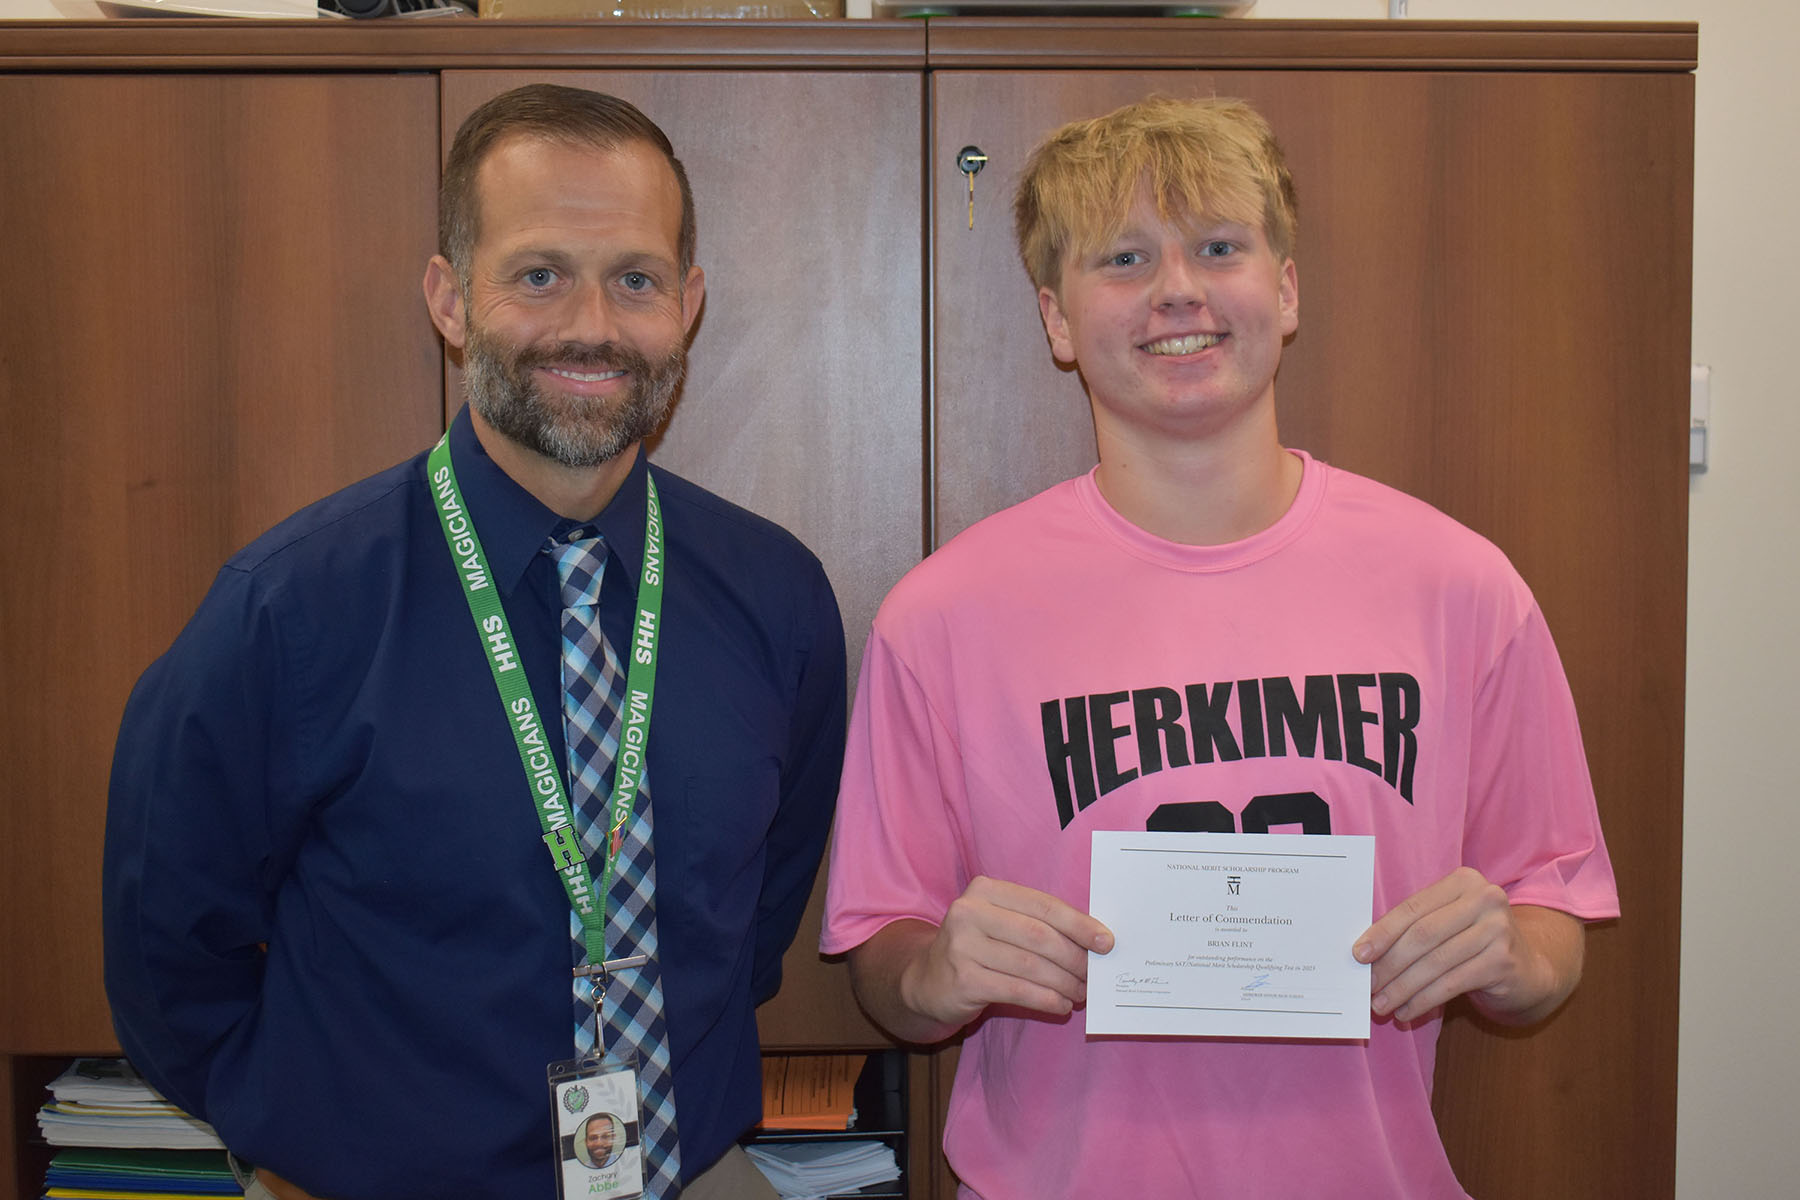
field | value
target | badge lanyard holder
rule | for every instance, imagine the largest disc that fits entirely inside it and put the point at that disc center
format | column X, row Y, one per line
column 594, row 1110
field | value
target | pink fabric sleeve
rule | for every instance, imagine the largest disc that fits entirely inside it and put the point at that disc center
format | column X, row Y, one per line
column 1532, row 825
column 901, row 793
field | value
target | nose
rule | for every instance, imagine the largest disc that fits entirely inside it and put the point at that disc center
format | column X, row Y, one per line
column 1177, row 282
column 588, row 317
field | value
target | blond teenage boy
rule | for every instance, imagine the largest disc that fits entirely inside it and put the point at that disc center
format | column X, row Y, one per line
column 1208, row 631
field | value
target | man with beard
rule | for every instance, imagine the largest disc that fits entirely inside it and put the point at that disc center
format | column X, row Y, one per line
column 332, row 931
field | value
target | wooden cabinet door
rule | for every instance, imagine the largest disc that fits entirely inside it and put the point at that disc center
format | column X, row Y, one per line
column 1494, row 283
column 211, row 316
column 805, row 392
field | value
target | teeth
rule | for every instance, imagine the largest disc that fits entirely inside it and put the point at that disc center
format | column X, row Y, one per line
column 1193, row 343
column 585, row 377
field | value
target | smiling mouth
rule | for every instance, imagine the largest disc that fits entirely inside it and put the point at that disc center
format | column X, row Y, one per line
column 1191, row 343
column 584, row 376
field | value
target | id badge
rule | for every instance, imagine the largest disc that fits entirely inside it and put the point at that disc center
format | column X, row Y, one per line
column 594, row 1116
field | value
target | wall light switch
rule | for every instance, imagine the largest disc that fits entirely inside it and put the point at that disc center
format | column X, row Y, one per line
column 1699, row 415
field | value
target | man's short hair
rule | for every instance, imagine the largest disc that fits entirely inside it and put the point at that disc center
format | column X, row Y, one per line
column 1212, row 158
column 570, row 116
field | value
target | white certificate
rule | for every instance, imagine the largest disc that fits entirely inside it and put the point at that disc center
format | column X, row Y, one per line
column 1231, row 934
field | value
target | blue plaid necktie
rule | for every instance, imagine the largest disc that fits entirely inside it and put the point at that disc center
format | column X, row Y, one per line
column 593, row 701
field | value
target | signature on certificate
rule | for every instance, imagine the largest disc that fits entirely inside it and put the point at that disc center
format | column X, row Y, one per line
column 1260, row 981
column 1128, row 982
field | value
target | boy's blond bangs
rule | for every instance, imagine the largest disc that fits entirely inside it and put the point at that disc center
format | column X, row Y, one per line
column 1201, row 159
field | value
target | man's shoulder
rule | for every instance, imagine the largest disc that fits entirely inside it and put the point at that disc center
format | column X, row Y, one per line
column 706, row 525
column 362, row 517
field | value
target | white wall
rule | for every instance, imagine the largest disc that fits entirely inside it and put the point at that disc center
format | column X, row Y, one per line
column 1740, row 1049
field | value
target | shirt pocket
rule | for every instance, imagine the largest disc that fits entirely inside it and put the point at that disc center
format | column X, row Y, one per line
column 721, row 828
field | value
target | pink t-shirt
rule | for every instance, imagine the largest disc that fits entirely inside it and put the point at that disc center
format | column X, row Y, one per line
column 1364, row 666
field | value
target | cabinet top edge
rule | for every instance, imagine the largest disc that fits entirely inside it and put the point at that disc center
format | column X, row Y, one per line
column 966, row 42
column 948, row 43
column 188, row 45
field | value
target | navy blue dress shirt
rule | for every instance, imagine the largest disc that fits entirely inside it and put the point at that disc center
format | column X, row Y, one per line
column 332, row 927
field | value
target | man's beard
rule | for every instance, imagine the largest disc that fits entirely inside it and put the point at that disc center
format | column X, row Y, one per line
column 576, row 431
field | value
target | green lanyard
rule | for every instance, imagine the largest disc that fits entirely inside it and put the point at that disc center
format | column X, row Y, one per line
column 521, row 711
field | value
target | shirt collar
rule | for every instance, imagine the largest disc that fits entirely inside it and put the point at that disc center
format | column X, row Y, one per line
column 514, row 524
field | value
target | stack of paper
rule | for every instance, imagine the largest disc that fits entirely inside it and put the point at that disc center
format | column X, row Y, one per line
column 817, row 1169
column 103, row 1102
column 810, row 1091
column 140, row 1174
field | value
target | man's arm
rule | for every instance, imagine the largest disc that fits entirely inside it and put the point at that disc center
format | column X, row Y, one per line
column 1000, row 943
column 809, row 787
column 187, row 848
column 1517, row 963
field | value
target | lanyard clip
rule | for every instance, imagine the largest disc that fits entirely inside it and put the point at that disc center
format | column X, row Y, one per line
column 605, row 968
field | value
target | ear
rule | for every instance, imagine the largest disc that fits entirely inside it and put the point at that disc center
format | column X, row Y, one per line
column 693, row 295
column 1289, row 295
column 1056, row 325
column 444, row 300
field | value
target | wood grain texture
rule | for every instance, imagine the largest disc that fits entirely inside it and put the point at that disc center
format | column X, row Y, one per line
column 210, row 320
column 1494, row 282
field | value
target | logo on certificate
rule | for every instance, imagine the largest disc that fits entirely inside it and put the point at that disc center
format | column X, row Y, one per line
column 1234, row 885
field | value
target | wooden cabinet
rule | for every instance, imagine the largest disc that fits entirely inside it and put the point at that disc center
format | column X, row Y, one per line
column 214, row 234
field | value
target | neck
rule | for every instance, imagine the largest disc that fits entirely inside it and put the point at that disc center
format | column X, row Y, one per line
column 1202, row 494
column 578, row 493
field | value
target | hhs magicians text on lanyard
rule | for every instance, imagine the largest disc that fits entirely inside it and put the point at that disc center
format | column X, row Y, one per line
column 541, row 768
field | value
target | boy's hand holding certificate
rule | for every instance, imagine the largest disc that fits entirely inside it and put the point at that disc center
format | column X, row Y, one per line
column 1230, row 934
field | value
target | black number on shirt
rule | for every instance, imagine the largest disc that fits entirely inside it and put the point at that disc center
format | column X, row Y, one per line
column 1305, row 809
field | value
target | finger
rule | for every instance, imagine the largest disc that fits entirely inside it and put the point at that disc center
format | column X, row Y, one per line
column 997, row 987
column 975, row 970
column 1471, row 960
column 1034, row 975
column 1474, row 975
column 1424, row 943
column 1078, row 927
column 1380, row 938
column 1014, row 943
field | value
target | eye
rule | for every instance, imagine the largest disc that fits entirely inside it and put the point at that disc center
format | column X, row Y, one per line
column 636, row 281
column 1217, row 248
column 540, row 277
column 1125, row 258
